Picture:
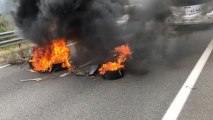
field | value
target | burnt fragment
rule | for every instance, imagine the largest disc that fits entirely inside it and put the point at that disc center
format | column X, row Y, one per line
column 93, row 70
column 55, row 68
column 113, row 75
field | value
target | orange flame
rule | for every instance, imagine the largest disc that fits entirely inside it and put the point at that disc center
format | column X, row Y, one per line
column 122, row 53
column 56, row 53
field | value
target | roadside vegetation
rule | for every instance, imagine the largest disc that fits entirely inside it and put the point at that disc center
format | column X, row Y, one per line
column 15, row 54
column 5, row 25
column 12, row 54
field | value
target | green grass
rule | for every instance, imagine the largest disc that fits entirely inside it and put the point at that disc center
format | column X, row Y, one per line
column 12, row 53
column 9, row 54
column 5, row 24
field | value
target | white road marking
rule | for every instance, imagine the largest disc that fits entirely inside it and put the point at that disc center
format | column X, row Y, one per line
column 181, row 98
column 4, row 66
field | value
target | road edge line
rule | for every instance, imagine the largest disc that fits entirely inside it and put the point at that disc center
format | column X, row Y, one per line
column 4, row 66
column 182, row 96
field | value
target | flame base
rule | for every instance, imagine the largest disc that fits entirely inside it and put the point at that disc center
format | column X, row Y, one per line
column 114, row 75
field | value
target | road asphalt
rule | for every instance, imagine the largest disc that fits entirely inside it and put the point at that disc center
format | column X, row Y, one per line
column 199, row 105
column 134, row 97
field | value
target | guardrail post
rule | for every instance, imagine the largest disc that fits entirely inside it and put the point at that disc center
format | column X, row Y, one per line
column 19, row 45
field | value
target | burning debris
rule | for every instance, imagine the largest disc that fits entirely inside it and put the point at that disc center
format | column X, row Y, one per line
column 115, row 70
column 95, row 24
column 111, row 70
column 93, row 70
column 51, row 57
column 113, row 75
column 56, row 55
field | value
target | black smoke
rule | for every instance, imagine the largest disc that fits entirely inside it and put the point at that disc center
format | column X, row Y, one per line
column 93, row 23
column 154, row 41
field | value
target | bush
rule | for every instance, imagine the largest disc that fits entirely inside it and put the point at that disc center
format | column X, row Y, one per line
column 4, row 25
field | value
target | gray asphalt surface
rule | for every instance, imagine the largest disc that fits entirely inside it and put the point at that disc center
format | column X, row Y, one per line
column 134, row 97
column 200, row 103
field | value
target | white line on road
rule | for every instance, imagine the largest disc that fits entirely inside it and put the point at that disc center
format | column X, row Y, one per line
column 181, row 98
column 4, row 66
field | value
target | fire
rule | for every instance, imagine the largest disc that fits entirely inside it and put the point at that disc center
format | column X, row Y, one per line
column 122, row 53
column 55, row 53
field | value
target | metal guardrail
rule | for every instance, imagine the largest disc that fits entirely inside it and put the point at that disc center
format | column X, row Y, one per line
column 5, row 35
column 9, row 42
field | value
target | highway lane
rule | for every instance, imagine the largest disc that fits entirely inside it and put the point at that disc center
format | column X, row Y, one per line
column 199, row 105
column 134, row 97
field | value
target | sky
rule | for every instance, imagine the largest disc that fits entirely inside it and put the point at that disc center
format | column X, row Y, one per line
column 3, row 8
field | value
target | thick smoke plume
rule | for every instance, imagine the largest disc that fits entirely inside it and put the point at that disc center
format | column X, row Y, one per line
column 94, row 24
column 154, row 41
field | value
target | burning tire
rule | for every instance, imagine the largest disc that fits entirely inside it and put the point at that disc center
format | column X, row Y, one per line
column 115, row 70
column 55, row 68
column 51, row 57
column 113, row 75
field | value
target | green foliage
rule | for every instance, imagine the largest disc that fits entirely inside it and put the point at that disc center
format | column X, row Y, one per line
column 4, row 25
column 15, row 54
